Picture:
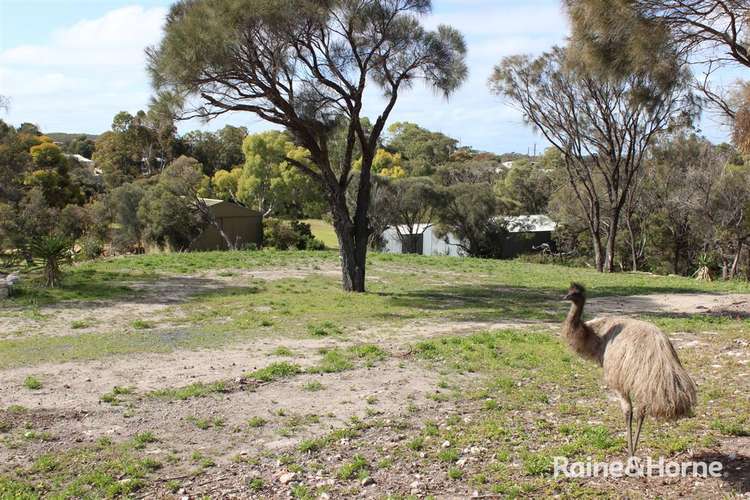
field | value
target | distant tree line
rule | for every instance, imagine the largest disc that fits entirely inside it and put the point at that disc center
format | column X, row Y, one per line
column 631, row 183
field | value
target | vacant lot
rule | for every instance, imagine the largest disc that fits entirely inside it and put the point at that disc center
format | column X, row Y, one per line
column 251, row 374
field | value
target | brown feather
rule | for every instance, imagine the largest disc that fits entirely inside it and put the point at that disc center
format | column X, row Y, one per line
column 639, row 362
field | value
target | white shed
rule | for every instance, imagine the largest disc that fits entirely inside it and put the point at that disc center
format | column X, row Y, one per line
column 425, row 242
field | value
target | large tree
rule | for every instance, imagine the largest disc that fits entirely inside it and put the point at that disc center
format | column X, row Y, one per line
column 602, row 127
column 625, row 36
column 423, row 150
column 306, row 66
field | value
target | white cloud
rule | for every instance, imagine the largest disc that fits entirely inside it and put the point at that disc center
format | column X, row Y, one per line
column 88, row 71
column 84, row 74
column 116, row 39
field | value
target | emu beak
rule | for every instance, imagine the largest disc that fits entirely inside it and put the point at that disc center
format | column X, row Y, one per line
column 566, row 296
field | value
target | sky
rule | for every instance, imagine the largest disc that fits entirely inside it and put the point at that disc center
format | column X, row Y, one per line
column 71, row 65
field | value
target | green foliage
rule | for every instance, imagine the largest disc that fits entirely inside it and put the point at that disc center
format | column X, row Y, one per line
column 256, row 422
column 421, row 149
column 53, row 252
column 614, row 40
column 124, row 201
column 358, row 466
column 469, row 210
column 166, row 212
column 216, row 151
column 196, row 390
column 274, row 371
column 285, row 235
column 268, row 182
column 527, row 187
column 32, row 383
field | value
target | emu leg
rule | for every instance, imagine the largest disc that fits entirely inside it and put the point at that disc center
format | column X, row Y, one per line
column 641, row 417
column 629, row 424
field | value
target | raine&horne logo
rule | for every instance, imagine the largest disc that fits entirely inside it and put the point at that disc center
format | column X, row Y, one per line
column 635, row 468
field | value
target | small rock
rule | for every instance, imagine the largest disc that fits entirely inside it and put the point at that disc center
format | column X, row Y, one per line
column 368, row 481
column 446, row 444
column 287, row 478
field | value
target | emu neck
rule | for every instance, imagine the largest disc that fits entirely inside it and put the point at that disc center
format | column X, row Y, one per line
column 580, row 336
column 575, row 315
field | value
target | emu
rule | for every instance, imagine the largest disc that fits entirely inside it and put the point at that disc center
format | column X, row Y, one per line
column 639, row 362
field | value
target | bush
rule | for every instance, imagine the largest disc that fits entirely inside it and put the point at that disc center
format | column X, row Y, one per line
column 53, row 252
column 91, row 248
column 286, row 235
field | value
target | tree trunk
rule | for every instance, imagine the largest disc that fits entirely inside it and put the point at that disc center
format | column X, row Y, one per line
column 614, row 221
column 633, row 250
column 597, row 242
column 736, row 262
column 352, row 250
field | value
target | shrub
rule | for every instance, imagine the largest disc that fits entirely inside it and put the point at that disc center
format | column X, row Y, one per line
column 286, row 235
column 32, row 383
column 91, row 248
column 53, row 252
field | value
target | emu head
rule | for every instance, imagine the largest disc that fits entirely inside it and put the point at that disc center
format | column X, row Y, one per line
column 576, row 293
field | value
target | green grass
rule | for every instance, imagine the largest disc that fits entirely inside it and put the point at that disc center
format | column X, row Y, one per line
column 196, row 390
column 256, row 422
column 282, row 351
column 274, row 371
column 323, row 329
column 356, row 468
column 313, row 386
column 407, row 288
column 102, row 470
column 32, row 383
column 140, row 324
column 112, row 397
column 323, row 231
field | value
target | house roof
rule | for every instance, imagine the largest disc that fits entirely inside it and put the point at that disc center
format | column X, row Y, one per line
column 530, row 224
column 211, row 201
column 224, row 208
column 81, row 159
column 516, row 224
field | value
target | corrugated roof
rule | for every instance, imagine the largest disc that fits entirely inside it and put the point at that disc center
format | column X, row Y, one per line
column 211, row 202
column 530, row 224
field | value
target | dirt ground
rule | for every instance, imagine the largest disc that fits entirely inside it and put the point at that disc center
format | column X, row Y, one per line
column 69, row 405
column 730, row 305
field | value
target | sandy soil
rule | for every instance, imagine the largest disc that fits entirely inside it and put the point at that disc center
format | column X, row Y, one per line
column 732, row 305
column 79, row 417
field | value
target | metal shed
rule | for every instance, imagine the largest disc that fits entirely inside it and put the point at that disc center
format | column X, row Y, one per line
column 242, row 225
column 525, row 234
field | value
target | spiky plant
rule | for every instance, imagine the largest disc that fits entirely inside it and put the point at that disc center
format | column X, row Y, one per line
column 52, row 252
column 704, row 268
